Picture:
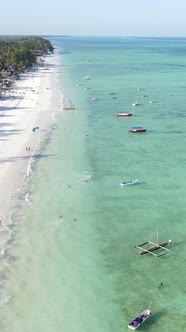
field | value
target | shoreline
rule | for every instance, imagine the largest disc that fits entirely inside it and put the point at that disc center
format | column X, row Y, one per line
column 28, row 104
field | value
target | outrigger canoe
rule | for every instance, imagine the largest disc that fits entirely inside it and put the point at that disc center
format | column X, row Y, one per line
column 139, row 320
column 149, row 247
column 156, row 246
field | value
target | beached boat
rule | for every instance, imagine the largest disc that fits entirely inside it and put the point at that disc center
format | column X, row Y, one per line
column 68, row 108
column 137, row 130
column 35, row 128
column 149, row 247
column 139, row 320
column 123, row 114
column 128, row 183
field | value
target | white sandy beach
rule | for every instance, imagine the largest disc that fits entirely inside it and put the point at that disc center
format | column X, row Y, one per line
column 26, row 105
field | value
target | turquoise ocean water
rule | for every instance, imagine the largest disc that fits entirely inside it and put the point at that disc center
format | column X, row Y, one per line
column 72, row 265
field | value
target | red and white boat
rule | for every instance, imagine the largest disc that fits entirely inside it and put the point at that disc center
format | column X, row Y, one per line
column 123, row 114
column 137, row 130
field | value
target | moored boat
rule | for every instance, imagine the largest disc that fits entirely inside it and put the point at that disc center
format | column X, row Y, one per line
column 123, row 114
column 149, row 247
column 155, row 247
column 111, row 93
column 139, row 320
column 137, row 130
column 86, row 78
column 135, row 103
column 128, row 183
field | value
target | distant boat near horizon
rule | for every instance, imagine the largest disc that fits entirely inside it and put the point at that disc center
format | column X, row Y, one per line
column 123, row 114
column 135, row 103
column 137, row 130
column 128, row 183
column 111, row 93
column 86, row 78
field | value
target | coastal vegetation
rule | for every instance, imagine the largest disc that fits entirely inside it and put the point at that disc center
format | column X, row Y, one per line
column 19, row 53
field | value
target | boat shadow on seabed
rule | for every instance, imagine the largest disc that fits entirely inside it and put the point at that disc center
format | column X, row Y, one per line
column 153, row 320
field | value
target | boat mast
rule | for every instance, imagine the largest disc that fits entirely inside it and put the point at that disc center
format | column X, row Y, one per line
column 157, row 236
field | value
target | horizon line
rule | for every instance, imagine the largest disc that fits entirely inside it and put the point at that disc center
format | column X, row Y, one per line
column 68, row 35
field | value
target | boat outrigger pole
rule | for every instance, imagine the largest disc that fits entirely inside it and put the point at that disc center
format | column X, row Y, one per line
column 156, row 246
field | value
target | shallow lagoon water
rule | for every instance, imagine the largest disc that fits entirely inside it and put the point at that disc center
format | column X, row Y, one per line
column 72, row 263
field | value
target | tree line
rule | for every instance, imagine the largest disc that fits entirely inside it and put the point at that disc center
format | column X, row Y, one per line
column 18, row 52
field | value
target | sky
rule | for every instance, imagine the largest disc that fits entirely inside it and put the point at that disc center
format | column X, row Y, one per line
column 94, row 17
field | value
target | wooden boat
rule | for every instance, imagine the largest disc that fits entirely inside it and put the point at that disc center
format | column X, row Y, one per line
column 123, row 114
column 151, row 247
column 128, row 183
column 156, row 247
column 137, row 130
column 139, row 320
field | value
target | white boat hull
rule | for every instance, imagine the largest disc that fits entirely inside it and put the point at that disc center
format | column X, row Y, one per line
column 139, row 320
column 128, row 183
